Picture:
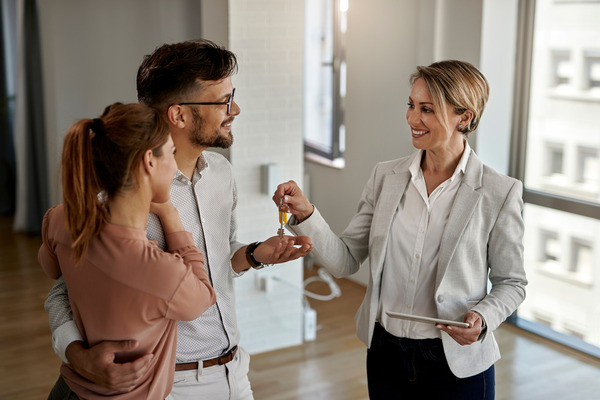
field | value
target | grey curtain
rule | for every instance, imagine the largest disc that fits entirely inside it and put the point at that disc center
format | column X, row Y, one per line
column 30, row 130
column 7, row 152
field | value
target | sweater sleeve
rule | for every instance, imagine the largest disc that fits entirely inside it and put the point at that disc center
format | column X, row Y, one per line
column 46, row 256
column 195, row 294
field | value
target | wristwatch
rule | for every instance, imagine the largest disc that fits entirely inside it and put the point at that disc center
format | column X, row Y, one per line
column 250, row 256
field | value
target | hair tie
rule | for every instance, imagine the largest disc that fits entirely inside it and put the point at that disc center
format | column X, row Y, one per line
column 97, row 127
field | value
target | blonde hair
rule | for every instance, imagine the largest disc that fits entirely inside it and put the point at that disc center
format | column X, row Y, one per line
column 458, row 84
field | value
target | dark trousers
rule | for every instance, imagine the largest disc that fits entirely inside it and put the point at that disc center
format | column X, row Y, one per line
column 399, row 368
column 61, row 391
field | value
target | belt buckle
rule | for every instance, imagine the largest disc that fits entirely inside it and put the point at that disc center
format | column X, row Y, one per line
column 220, row 359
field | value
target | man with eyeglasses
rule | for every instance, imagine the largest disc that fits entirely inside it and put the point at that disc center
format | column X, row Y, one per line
column 190, row 83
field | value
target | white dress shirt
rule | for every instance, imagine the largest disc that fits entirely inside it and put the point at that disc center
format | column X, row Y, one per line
column 411, row 258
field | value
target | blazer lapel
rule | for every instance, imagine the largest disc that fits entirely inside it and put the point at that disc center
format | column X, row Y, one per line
column 461, row 212
column 388, row 200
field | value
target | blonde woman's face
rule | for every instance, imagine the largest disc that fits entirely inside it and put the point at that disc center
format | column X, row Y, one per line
column 427, row 131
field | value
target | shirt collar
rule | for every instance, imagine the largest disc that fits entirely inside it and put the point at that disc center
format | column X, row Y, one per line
column 415, row 165
column 201, row 165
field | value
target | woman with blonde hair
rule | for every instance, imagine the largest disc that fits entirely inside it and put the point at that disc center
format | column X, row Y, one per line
column 435, row 226
column 115, row 170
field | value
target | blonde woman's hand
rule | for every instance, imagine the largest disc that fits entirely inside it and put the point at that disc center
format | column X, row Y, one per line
column 294, row 199
column 465, row 336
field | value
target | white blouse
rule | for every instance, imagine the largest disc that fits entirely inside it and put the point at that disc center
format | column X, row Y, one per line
column 411, row 260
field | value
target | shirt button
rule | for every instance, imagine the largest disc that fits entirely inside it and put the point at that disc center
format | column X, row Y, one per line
column 417, row 256
column 440, row 298
column 202, row 220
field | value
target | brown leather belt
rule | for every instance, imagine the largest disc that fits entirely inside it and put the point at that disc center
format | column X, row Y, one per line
column 224, row 359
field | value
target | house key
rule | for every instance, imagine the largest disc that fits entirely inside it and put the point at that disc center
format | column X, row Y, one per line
column 283, row 210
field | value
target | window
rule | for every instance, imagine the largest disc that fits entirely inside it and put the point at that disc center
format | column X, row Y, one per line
column 588, row 166
column 562, row 69
column 592, row 70
column 549, row 247
column 581, row 259
column 325, row 80
column 554, row 162
column 560, row 168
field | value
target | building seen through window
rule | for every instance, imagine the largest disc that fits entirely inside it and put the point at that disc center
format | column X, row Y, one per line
column 562, row 171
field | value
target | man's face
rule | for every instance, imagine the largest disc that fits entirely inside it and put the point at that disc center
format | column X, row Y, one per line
column 211, row 125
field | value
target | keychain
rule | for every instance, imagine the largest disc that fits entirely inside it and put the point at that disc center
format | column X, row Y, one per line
column 283, row 210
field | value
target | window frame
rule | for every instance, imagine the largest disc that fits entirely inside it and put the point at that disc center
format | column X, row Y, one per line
column 518, row 151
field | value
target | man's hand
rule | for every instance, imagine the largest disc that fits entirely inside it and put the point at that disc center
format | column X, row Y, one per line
column 97, row 364
column 275, row 250
column 294, row 199
column 465, row 336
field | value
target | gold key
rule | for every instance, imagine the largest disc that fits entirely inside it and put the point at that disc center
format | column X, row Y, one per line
column 283, row 210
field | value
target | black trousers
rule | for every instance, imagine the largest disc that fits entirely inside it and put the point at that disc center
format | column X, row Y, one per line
column 400, row 368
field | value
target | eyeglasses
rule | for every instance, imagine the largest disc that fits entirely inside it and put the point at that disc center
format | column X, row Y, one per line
column 228, row 102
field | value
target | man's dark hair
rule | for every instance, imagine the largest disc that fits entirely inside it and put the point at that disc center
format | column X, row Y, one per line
column 172, row 71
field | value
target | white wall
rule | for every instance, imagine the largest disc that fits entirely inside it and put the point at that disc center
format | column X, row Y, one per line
column 91, row 52
column 498, row 58
column 267, row 38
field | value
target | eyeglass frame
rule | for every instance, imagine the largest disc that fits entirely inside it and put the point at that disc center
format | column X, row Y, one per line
column 228, row 103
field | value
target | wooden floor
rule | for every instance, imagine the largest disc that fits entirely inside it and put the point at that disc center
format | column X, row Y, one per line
column 331, row 367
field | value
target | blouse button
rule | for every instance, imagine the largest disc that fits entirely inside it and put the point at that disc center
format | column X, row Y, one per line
column 440, row 299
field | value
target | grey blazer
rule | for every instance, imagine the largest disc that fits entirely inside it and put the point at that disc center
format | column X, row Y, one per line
column 483, row 239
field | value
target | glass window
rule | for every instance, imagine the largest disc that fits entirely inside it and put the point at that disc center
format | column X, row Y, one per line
column 325, row 79
column 549, row 247
column 592, row 70
column 588, row 167
column 562, row 68
column 560, row 168
column 554, row 162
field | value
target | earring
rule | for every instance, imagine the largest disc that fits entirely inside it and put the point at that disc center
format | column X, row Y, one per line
column 459, row 126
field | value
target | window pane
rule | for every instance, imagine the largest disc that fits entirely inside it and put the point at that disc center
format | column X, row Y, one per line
column 324, row 78
column 563, row 140
column 562, row 249
column 318, row 73
column 562, row 264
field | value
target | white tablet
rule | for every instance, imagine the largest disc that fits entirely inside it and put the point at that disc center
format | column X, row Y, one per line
column 419, row 318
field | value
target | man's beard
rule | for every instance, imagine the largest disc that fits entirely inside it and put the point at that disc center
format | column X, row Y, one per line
column 217, row 140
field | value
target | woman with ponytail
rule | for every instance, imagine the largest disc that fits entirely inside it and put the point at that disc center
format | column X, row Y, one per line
column 115, row 170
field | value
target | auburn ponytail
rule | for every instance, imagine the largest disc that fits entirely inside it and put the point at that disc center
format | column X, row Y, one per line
column 83, row 210
column 100, row 158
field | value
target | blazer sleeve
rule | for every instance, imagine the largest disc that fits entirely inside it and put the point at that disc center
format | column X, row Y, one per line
column 505, row 262
column 343, row 255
